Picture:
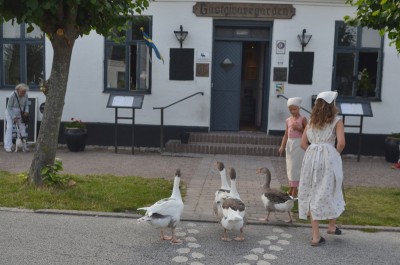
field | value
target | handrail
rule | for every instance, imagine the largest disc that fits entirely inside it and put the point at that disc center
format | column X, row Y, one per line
column 306, row 110
column 179, row 101
column 162, row 117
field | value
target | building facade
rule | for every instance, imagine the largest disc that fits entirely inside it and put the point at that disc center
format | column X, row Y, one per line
column 244, row 57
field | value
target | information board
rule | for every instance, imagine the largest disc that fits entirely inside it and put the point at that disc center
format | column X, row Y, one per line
column 351, row 107
column 125, row 101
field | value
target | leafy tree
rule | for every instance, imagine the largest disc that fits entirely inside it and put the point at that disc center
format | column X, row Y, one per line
column 63, row 21
column 381, row 15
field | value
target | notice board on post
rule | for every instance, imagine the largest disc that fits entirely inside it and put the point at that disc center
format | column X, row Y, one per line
column 358, row 108
column 125, row 101
column 354, row 107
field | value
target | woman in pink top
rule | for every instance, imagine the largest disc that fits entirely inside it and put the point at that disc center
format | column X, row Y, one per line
column 295, row 126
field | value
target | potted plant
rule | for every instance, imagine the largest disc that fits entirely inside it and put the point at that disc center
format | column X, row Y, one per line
column 75, row 135
column 364, row 83
column 392, row 148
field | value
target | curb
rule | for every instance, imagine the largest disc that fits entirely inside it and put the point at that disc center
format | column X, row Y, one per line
column 366, row 228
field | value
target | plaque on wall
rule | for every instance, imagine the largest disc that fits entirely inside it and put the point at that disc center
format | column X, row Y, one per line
column 280, row 74
column 202, row 69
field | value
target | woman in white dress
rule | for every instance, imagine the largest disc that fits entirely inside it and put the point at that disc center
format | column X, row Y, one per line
column 320, row 189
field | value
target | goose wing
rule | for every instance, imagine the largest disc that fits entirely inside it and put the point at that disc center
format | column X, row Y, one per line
column 169, row 206
column 277, row 196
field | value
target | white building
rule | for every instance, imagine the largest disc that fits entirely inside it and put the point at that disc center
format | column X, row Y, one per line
column 240, row 54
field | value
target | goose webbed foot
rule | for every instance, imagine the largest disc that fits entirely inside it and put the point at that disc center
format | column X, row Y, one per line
column 290, row 218
column 266, row 219
column 225, row 237
column 174, row 240
column 240, row 237
column 164, row 237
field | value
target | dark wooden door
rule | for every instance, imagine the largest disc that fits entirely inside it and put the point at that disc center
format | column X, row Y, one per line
column 226, row 83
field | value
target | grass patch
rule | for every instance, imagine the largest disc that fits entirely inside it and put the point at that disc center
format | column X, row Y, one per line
column 370, row 206
column 105, row 193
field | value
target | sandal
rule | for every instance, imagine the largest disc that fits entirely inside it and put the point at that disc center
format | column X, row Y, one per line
column 336, row 232
column 320, row 242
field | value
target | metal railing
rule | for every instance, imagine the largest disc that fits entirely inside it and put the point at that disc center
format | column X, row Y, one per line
column 162, row 117
column 306, row 110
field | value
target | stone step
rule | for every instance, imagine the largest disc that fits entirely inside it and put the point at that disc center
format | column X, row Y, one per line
column 236, row 138
column 256, row 144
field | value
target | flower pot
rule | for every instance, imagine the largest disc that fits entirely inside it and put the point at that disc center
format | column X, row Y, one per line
column 392, row 149
column 76, row 139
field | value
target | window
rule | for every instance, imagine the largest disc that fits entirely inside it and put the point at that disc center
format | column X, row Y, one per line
column 127, row 64
column 21, row 55
column 357, row 62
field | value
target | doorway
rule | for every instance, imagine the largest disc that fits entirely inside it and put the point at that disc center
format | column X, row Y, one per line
column 251, row 91
column 239, row 93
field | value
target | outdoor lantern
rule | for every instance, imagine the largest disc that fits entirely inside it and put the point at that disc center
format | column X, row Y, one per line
column 181, row 35
column 304, row 39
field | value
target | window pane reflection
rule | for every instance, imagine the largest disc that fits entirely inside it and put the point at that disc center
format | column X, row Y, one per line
column 347, row 35
column 34, row 59
column 138, row 76
column 344, row 73
column 370, row 38
column 35, row 34
column 11, row 31
column 11, row 64
column 116, row 67
column 137, row 23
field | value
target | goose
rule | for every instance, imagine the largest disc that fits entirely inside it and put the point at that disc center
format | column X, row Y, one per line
column 222, row 193
column 274, row 200
column 166, row 212
column 233, row 211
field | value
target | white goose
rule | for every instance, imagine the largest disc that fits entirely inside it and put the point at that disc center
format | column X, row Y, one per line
column 274, row 200
column 233, row 211
column 166, row 212
column 222, row 193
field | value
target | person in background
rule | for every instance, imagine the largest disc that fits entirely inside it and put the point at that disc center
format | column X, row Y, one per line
column 17, row 106
column 321, row 178
column 295, row 126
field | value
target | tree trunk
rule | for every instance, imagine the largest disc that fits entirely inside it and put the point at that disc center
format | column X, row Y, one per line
column 47, row 142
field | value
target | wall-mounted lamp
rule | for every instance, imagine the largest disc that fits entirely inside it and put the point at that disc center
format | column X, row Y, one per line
column 304, row 39
column 181, row 35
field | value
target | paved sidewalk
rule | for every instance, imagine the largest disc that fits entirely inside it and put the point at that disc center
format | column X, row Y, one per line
column 200, row 175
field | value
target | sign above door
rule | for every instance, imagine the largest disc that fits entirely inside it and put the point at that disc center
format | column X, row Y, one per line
column 244, row 10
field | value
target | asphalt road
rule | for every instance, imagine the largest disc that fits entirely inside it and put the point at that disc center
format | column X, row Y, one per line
column 32, row 238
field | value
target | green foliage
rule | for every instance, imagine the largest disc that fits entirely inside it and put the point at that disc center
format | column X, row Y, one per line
column 104, row 193
column 83, row 15
column 51, row 174
column 370, row 206
column 381, row 15
column 395, row 135
column 364, row 84
column 75, row 123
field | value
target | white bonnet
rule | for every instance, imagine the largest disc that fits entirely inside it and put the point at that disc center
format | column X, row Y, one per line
column 294, row 101
column 328, row 96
